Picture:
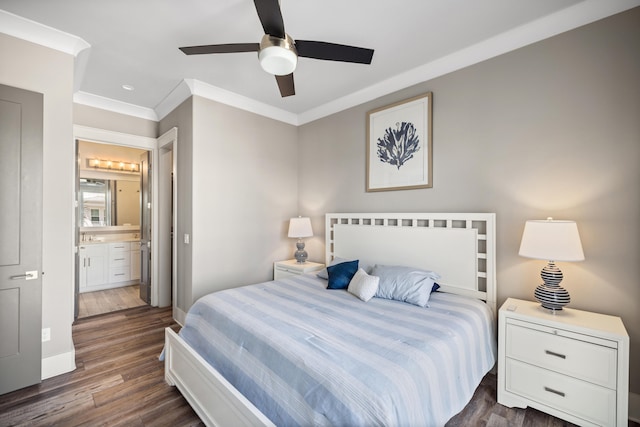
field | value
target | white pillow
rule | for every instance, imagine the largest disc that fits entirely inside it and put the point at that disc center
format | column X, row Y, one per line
column 363, row 286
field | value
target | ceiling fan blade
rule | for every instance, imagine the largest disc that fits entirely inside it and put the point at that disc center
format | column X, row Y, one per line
column 333, row 52
column 221, row 48
column 286, row 86
column 270, row 17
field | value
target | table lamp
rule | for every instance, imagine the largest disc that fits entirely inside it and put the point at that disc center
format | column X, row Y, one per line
column 298, row 228
column 551, row 240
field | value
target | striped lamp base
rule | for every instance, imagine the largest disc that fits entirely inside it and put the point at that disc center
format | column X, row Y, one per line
column 550, row 294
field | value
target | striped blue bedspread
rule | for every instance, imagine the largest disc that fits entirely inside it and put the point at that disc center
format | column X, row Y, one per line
column 305, row 355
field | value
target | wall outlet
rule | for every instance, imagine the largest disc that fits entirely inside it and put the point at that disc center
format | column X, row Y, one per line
column 46, row 334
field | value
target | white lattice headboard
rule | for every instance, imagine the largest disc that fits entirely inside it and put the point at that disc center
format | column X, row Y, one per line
column 458, row 246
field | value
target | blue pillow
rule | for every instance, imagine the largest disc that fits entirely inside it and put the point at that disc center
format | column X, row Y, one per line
column 341, row 274
column 406, row 284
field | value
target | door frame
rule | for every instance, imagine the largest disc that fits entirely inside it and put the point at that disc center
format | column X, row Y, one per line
column 103, row 136
column 166, row 173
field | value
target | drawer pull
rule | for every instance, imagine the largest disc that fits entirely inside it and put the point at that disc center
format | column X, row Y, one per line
column 550, row 390
column 119, row 259
column 553, row 353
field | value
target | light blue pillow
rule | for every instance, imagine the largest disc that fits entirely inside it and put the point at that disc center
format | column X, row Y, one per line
column 407, row 284
column 341, row 274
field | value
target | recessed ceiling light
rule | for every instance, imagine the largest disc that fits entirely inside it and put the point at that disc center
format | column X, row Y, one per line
column 128, row 87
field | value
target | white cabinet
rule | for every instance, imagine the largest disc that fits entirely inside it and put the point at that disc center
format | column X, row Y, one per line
column 94, row 264
column 108, row 265
column 291, row 267
column 119, row 262
column 571, row 364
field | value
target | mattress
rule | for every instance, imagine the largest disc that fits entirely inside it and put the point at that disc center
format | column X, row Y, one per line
column 305, row 355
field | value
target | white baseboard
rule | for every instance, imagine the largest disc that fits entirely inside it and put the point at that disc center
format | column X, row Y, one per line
column 58, row 364
column 179, row 316
column 634, row 407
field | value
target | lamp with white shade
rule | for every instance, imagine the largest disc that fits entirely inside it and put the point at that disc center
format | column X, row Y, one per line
column 551, row 240
column 298, row 228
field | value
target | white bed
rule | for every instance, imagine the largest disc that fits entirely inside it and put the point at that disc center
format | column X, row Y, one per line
column 460, row 247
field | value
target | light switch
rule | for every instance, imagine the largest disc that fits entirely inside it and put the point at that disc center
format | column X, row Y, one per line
column 186, row 239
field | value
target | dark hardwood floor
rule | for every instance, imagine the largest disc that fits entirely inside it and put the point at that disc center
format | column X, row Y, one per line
column 120, row 382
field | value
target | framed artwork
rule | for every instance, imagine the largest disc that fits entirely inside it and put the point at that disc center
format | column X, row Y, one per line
column 399, row 145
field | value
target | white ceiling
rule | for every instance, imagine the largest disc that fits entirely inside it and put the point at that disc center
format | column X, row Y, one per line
column 120, row 42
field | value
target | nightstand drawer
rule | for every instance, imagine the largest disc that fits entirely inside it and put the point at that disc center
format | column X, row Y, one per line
column 282, row 269
column 282, row 272
column 570, row 356
column 579, row 398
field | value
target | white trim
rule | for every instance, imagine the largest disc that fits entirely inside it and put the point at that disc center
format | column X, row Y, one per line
column 115, row 106
column 167, row 142
column 178, row 315
column 34, row 32
column 58, row 364
column 177, row 96
column 190, row 87
column 90, row 134
column 634, row 407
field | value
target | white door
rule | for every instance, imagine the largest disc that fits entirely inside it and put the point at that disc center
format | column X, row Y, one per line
column 21, row 238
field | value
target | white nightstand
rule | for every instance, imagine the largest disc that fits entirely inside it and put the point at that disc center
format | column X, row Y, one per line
column 291, row 267
column 572, row 364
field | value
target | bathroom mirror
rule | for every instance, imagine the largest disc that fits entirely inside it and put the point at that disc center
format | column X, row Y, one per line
column 106, row 202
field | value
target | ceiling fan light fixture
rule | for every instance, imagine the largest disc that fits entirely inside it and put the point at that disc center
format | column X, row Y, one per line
column 277, row 56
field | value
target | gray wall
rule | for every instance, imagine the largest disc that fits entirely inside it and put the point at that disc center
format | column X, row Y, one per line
column 552, row 129
column 116, row 122
column 29, row 66
column 182, row 118
column 237, row 201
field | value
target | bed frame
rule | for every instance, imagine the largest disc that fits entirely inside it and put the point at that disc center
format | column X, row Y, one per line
column 458, row 246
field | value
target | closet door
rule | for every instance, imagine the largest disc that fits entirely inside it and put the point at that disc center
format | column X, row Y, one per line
column 21, row 241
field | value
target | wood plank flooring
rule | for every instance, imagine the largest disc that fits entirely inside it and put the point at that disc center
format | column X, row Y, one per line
column 100, row 302
column 120, row 382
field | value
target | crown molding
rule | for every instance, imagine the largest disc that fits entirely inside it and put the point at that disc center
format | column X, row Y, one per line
column 564, row 20
column 26, row 29
column 115, row 106
column 190, row 87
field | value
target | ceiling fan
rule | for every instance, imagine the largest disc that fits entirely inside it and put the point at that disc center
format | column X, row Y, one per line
column 278, row 52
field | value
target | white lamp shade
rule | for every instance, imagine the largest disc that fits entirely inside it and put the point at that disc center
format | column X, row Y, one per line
column 551, row 240
column 300, row 227
column 277, row 60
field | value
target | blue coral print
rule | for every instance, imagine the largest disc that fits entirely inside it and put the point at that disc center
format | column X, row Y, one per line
column 397, row 146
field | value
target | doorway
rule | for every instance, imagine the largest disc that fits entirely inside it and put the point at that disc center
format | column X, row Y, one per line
column 112, row 187
column 162, row 152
